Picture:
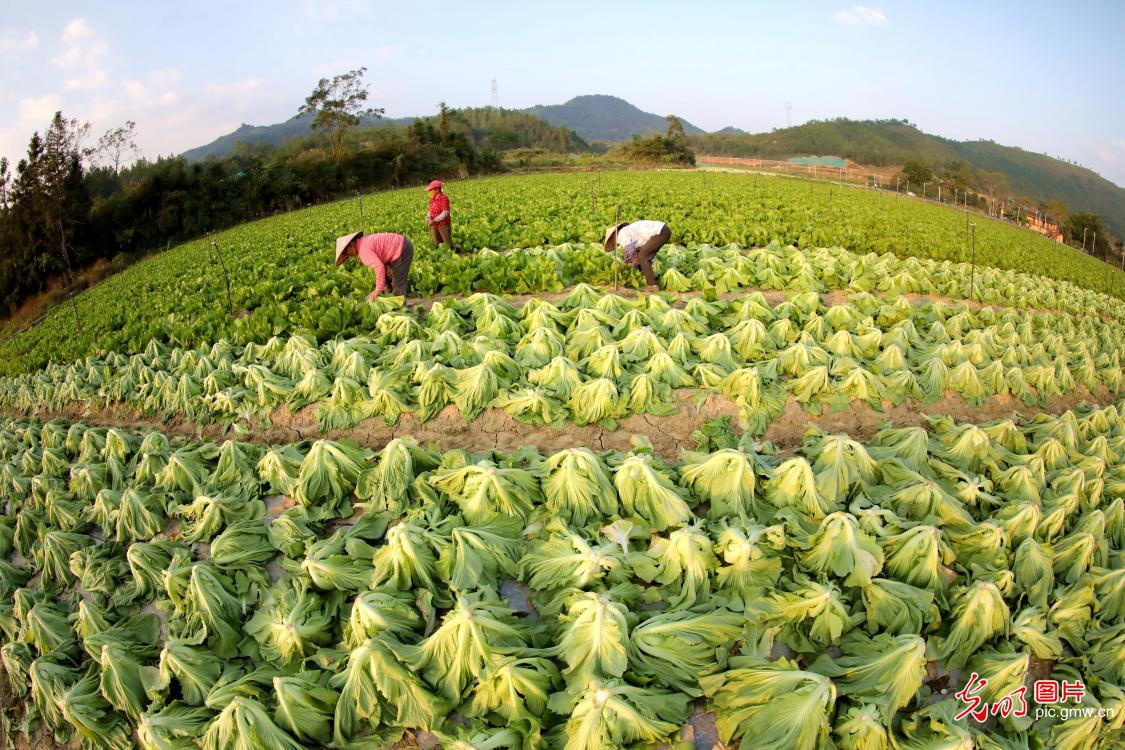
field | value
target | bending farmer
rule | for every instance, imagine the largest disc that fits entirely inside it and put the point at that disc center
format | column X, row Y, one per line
column 381, row 253
column 438, row 217
column 640, row 240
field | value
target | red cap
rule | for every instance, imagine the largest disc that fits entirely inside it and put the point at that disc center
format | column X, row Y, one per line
column 435, row 185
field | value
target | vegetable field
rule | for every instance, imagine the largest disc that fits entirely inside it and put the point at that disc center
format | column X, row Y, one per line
column 808, row 495
column 282, row 282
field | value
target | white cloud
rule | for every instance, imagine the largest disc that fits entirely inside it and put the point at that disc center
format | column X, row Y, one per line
column 94, row 79
column 85, row 52
column 12, row 44
column 1111, row 152
column 385, row 50
column 330, row 10
column 40, row 109
column 156, row 85
column 860, row 15
column 1106, row 157
column 235, row 87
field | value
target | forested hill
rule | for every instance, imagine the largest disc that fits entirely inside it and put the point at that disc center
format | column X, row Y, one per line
column 488, row 127
column 271, row 135
column 1043, row 177
column 570, row 127
column 503, row 129
column 892, row 142
column 597, row 117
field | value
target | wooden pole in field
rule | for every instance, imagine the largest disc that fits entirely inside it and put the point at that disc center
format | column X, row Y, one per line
column 973, row 262
column 226, row 277
column 359, row 204
column 616, row 247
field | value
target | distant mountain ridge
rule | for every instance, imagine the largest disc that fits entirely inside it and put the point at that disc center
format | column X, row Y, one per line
column 605, row 118
column 598, row 117
column 298, row 126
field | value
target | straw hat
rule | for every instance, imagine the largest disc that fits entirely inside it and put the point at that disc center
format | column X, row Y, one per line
column 342, row 245
column 611, row 235
column 435, row 185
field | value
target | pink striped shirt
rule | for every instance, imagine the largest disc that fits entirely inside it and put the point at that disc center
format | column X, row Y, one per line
column 376, row 251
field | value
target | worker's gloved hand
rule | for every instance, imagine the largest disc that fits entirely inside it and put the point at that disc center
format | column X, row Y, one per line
column 373, row 296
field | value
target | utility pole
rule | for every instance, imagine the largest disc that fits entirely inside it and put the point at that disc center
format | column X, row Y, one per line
column 788, row 113
column 1084, row 230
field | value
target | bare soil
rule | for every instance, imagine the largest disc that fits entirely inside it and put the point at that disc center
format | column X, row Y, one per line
column 496, row 429
column 11, row 713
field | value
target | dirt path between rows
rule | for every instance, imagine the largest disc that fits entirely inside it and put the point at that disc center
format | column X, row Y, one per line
column 496, row 429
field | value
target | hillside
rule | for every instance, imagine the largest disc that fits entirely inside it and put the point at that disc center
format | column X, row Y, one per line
column 1043, row 177
column 570, row 127
column 875, row 142
column 272, row 135
column 488, row 127
column 888, row 142
column 503, row 129
column 597, row 117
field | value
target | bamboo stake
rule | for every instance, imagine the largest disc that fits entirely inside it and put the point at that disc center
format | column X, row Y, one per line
column 226, row 277
column 616, row 247
column 973, row 261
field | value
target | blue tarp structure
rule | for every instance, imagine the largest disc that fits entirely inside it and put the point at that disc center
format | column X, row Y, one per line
column 820, row 161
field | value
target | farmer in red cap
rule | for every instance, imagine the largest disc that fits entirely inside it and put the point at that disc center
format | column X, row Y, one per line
column 438, row 219
column 381, row 253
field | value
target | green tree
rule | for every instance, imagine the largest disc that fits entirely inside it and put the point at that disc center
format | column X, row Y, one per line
column 917, row 172
column 957, row 176
column 443, row 121
column 338, row 106
column 675, row 127
column 1087, row 226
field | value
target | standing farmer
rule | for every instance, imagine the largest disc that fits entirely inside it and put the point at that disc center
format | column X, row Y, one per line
column 640, row 240
column 438, row 218
column 381, row 253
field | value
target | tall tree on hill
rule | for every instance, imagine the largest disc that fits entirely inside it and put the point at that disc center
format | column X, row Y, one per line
column 115, row 145
column 5, row 182
column 675, row 127
column 47, row 203
column 62, row 180
column 338, row 106
column 443, row 121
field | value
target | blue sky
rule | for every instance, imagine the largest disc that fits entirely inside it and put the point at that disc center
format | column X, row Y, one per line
column 1044, row 76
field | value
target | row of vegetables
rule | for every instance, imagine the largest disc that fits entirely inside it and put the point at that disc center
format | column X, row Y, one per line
column 594, row 358
column 182, row 594
column 190, row 308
